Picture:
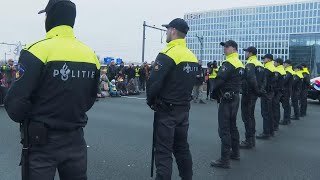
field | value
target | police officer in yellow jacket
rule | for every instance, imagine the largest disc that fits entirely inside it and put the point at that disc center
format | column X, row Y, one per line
column 285, row 100
column 57, row 85
column 266, row 100
column 169, row 91
column 304, row 90
column 278, row 92
column 296, row 94
column 228, row 84
column 253, row 86
column 213, row 71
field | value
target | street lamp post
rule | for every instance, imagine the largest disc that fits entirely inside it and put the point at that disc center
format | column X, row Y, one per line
column 200, row 39
column 144, row 36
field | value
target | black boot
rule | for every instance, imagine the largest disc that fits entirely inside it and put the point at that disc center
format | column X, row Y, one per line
column 253, row 141
column 295, row 118
column 221, row 164
column 284, row 122
column 235, row 155
column 263, row 136
column 247, row 144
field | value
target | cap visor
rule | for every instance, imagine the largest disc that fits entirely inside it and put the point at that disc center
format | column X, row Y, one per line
column 222, row 43
column 42, row 11
column 245, row 49
column 165, row 25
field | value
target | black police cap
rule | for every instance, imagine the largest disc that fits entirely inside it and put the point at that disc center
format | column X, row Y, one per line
column 299, row 67
column 304, row 65
column 251, row 49
column 279, row 60
column 230, row 43
column 288, row 62
column 51, row 3
column 179, row 24
column 269, row 56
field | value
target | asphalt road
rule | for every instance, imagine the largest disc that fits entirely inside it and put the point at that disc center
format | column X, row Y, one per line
column 119, row 135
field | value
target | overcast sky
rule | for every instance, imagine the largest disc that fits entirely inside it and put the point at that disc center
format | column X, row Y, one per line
column 111, row 28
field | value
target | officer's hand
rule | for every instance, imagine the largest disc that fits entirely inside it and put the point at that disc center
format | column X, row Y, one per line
column 262, row 93
column 150, row 104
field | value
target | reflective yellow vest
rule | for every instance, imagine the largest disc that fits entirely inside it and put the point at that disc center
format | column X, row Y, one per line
column 305, row 70
column 137, row 72
column 290, row 70
column 280, row 69
column 214, row 73
column 270, row 66
column 234, row 60
column 254, row 60
column 299, row 74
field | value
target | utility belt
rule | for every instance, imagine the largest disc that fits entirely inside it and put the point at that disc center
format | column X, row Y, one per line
column 229, row 95
column 162, row 106
column 38, row 133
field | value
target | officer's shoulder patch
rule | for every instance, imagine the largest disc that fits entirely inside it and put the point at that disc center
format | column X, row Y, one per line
column 157, row 66
column 223, row 68
column 20, row 71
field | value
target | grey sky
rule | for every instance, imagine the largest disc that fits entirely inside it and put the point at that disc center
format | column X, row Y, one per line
column 111, row 28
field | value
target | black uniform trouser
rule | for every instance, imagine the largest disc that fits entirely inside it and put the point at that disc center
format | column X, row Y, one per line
column 3, row 92
column 303, row 101
column 295, row 103
column 208, row 88
column 267, row 113
column 65, row 151
column 211, row 86
column 248, row 104
column 276, row 108
column 172, row 137
column 228, row 131
column 142, row 84
column 285, row 100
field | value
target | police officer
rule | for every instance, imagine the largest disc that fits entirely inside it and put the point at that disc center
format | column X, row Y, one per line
column 266, row 100
column 228, row 83
column 137, row 78
column 56, row 88
column 169, row 91
column 252, row 88
column 278, row 92
column 304, row 90
column 285, row 100
column 296, row 87
column 212, row 76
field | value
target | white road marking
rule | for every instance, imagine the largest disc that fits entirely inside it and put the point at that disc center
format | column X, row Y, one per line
column 133, row 97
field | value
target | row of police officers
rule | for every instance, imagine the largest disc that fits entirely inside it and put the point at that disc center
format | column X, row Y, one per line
column 274, row 82
column 52, row 123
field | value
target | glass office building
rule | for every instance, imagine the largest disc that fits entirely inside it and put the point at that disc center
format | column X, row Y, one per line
column 284, row 30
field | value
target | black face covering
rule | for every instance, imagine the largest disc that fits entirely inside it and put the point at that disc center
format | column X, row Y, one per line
column 62, row 13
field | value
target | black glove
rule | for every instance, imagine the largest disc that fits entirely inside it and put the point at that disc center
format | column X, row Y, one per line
column 150, row 104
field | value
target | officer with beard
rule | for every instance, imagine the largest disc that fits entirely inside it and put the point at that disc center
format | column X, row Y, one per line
column 169, row 91
column 57, row 85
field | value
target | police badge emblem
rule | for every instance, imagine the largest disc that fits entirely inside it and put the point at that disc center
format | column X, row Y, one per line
column 20, row 71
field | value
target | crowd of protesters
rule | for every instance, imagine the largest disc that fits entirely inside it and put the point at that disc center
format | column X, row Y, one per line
column 121, row 80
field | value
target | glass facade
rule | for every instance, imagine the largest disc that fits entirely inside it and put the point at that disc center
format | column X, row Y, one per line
column 305, row 48
column 268, row 28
